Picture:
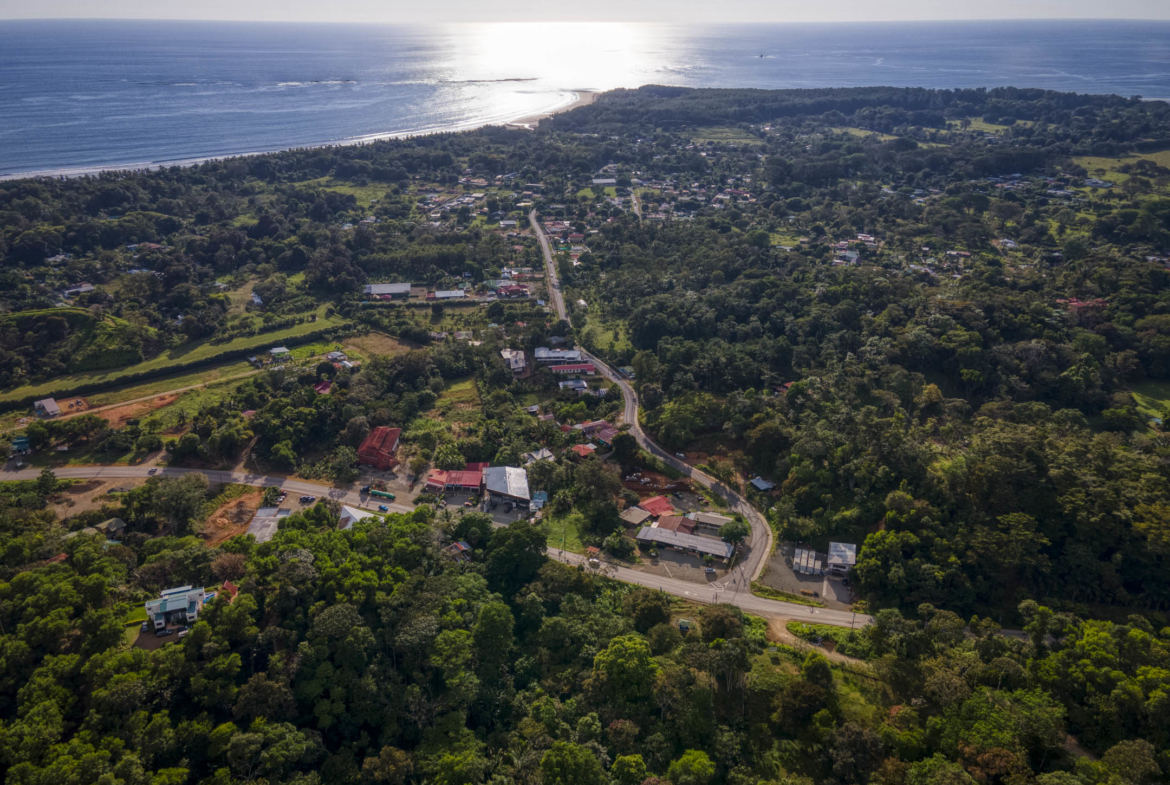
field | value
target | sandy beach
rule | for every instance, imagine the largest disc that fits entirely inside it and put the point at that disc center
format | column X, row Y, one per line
column 584, row 98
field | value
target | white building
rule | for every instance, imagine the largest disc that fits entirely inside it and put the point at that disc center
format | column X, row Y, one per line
column 180, row 605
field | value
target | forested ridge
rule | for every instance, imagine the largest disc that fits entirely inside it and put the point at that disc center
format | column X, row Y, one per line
column 937, row 321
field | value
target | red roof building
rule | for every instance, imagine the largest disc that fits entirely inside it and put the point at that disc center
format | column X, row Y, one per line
column 656, row 505
column 323, row 388
column 440, row 480
column 676, row 523
column 584, row 450
column 378, row 448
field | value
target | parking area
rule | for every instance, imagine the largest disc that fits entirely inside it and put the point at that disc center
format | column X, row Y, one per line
column 832, row 591
column 500, row 512
column 682, row 566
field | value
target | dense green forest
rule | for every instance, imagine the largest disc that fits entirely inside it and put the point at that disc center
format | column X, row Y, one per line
column 938, row 321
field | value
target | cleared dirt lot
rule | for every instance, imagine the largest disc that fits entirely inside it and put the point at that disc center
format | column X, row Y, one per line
column 119, row 416
column 378, row 343
column 91, row 495
column 232, row 518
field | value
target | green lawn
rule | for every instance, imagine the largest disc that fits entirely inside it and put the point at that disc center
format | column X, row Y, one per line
column 610, row 190
column 1152, row 397
column 363, row 194
column 564, row 533
column 862, row 132
column 168, row 383
column 725, row 135
column 191, row 352
column 768, row 593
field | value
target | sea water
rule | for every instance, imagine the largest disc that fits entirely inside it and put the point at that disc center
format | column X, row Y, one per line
column 86, row 95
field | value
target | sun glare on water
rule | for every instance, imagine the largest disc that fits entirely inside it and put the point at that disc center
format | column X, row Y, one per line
column 568, row 56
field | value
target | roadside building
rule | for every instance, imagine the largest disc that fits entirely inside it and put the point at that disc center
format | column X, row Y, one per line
column 687, row 543
column 507, row 482
column 760, row 484
column 47, row 407
column 546, row 356
column 279, row 352
column 467, row 480
column 180, row 605
column 634, row 516
column 842, row 557
column 391, row 291
column 351, row 515
column 676, row 523
column 575, row 369
column 657, row 506
column 576, row 385
column 379, row 447
column 709, row 520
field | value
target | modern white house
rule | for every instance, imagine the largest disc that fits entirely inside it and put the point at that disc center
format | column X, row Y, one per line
column 180, row 605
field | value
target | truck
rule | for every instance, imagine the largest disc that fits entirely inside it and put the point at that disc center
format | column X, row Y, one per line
column 383, row 494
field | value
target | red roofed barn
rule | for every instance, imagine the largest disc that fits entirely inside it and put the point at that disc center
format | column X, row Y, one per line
column 378, row 448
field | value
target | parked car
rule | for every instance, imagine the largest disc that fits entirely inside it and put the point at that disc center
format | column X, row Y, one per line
column 182, row 633
column 308, row 499
column 383, row 508
column 680, row 456
column 709, row 570
column 469, row 503
column 365, row 489
column 163, row 633
column 146, row 626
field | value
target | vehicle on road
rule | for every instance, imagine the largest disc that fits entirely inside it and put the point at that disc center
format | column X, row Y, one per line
column 680, row 456
column 383, row 508
column 152, row 470
column 383, row 495
column 365, row 489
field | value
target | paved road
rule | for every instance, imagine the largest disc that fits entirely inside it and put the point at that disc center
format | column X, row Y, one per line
column 749, row 569
column 293, row 487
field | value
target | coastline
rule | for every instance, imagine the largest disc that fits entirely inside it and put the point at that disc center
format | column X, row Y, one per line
column 583, row 98
column 580, row 98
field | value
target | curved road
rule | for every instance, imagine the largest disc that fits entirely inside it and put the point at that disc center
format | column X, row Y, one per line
column 738, row 583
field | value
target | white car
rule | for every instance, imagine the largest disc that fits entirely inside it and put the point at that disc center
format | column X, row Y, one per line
column 680, row 456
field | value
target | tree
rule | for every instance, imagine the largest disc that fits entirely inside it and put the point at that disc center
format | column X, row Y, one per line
column 391, row 766
column 628, row 770
column 694, row 767
column 625, row 449
column 514, row 554
column 720, row 621
column 356, row 430
column 567, row 763
column 343, row 465
column 597, row 481
column 46, row 482
column 647, row 608
column 492, row 636
column 735, row 532
column 179, row 500
column 448, row 457
column 625, row 670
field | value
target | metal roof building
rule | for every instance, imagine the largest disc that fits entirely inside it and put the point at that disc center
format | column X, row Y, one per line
column 510, row 482
column 685, row 542
column 392, row 289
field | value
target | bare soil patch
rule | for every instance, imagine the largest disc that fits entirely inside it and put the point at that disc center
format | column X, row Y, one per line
column 117, row 418
column 232, row 518
column 90, row 495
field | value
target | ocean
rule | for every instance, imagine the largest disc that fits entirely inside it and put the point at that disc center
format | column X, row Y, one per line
column 79, row 96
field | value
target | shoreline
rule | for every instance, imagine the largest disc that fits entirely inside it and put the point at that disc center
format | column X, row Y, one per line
column 529, row 122
column 583, row 98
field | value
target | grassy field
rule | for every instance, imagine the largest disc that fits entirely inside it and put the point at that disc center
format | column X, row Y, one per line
column 610, row 190
column 725, row 135
column 861, row 132
column 168, row 383
column 564, row 533
column 987, row 128
column 1152, row 397
column 1106, row 168
column 458, row 403
column 193, row 352
column 363, row 194
column 378, row 344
